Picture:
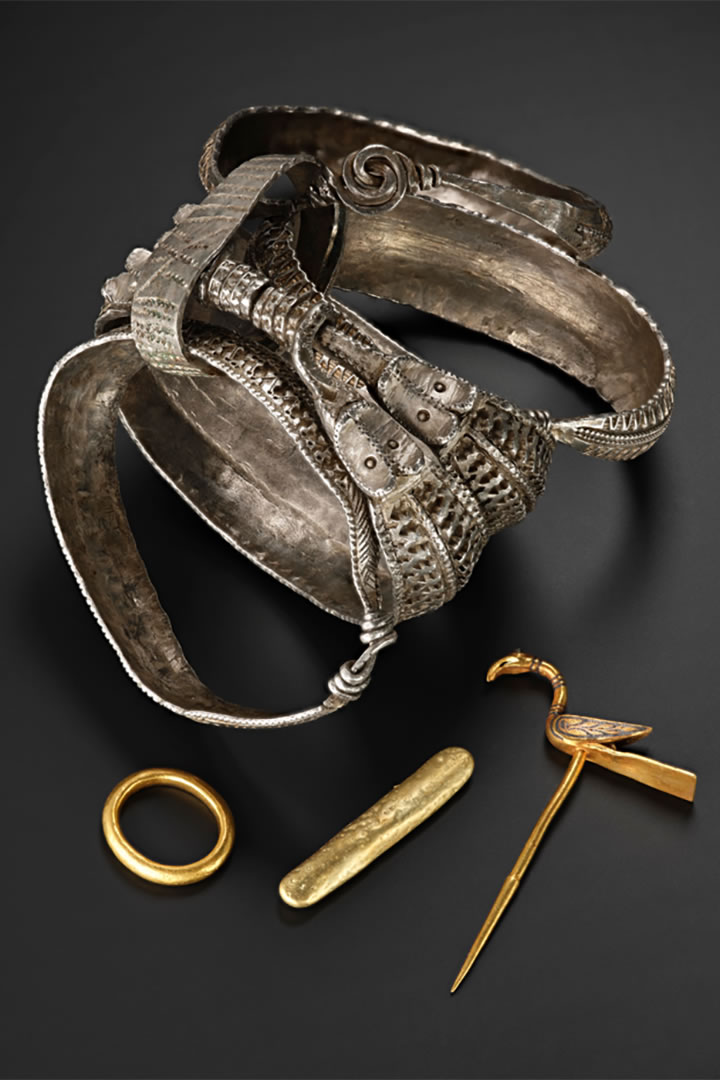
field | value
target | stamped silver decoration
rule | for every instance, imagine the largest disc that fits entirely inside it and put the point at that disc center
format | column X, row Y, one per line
column 350, row 469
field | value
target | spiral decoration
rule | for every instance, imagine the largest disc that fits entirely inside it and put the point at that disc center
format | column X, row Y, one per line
column 377, row 178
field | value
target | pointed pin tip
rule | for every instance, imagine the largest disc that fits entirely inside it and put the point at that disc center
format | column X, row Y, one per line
column 461, row 974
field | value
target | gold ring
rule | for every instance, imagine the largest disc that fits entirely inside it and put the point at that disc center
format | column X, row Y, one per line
column 162, row 873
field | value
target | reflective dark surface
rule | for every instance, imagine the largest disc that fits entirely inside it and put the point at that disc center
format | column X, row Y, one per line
column 606, row 966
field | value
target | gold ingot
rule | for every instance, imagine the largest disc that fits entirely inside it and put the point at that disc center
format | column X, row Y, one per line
column 384, row 824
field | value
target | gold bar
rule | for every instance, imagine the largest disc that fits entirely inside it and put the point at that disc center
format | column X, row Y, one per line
column 387, row 821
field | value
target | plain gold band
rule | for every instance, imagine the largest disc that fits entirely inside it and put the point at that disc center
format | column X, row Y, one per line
column 162, row 873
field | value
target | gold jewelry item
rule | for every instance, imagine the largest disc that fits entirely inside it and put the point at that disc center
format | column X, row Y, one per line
column 162, row 873
column 584, row 738
column 379, row 828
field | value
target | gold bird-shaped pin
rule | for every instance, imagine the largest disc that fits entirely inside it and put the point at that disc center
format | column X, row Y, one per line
column 584, row 738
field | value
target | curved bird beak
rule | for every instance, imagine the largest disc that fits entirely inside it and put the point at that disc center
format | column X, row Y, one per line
column 516, row 663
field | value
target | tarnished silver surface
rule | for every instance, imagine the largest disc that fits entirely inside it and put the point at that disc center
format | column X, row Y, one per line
column 350, row 469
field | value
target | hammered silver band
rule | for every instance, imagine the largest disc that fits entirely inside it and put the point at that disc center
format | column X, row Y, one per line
column 355, row 472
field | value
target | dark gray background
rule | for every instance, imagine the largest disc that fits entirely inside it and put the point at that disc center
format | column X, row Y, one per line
column 607, row 963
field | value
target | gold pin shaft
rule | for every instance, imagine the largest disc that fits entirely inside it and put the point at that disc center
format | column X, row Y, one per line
column 514, row 878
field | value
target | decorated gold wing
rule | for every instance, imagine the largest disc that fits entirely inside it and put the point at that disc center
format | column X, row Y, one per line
column 592, row 729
